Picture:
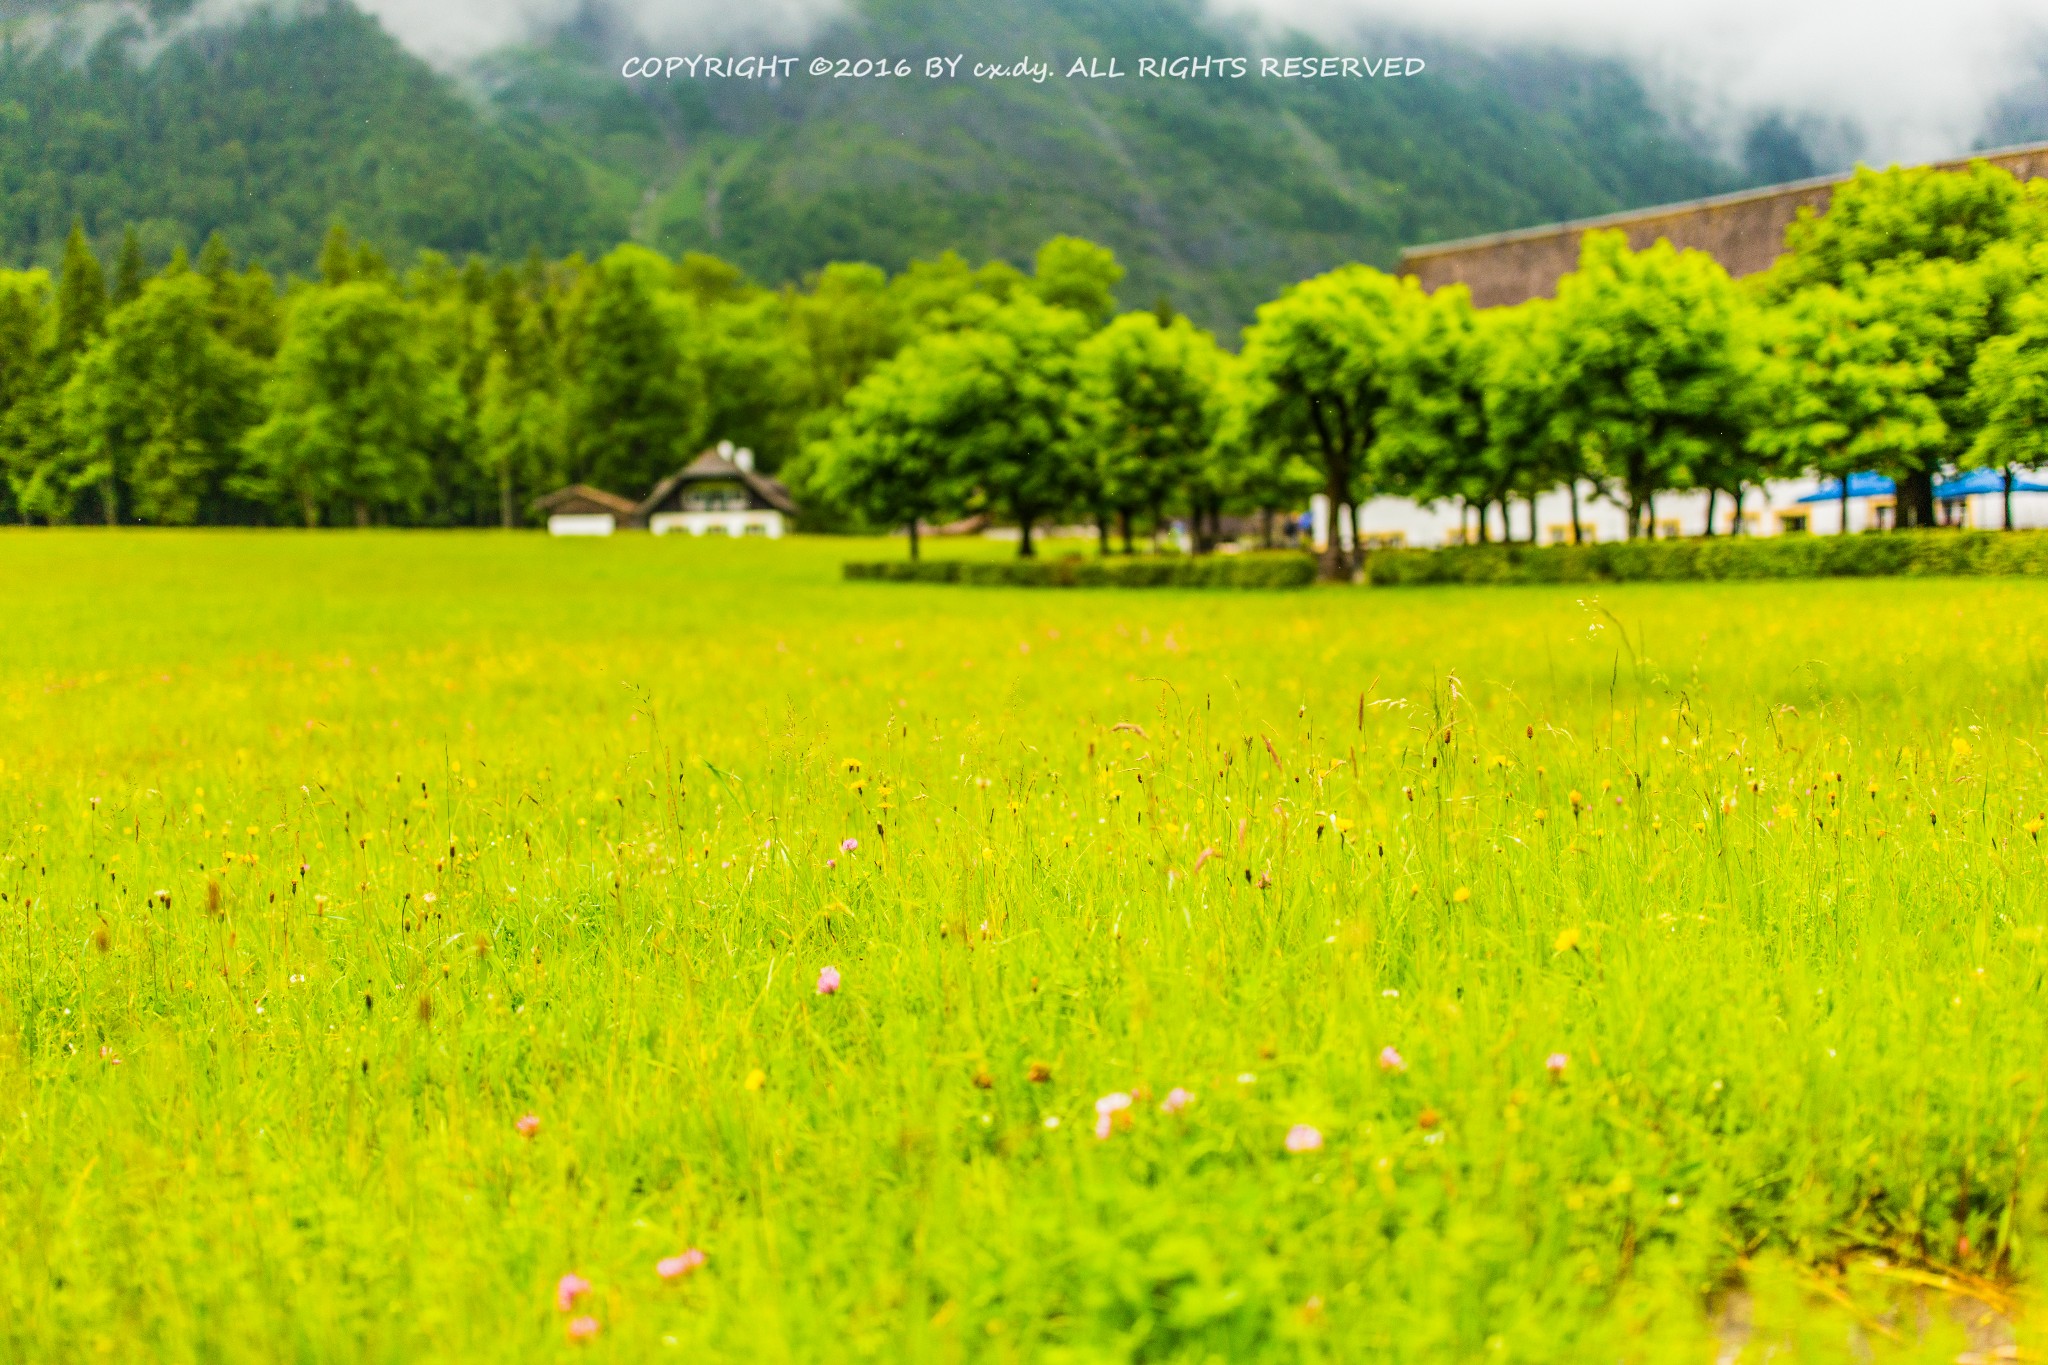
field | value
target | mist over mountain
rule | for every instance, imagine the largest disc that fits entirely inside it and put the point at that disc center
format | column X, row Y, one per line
column 267, row 123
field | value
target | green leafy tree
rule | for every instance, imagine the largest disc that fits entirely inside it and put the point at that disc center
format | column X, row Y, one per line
column 889, row 453
column 1435, row 439
column 1144, row 412
column 635, row 410
column 1071, row 272
column 1652, row 366
column 1958, row 247
column 1525, row 413
column 1847, row 386
column 1318, row 362
column 1900, row 216
column 354, row 407
column 844, row 323
column 156, row 408
column 986, row 404
column 1006, row 384
column 2009, row 387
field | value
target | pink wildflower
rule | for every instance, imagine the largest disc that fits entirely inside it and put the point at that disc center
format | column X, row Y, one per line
column 570, row 1288
column 1556, row 1062
column 1176, row 1100
column 528, row 1125
column 1391, row 1060
column 1302, row 1138
column 831, row 862
column 848, row 845
column 828, row 981
column 582, row 1329
column 1106, row 1110
column 675, row 1267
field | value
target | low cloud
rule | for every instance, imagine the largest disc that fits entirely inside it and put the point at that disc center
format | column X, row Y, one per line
column 1914, row 79
column 453, row 31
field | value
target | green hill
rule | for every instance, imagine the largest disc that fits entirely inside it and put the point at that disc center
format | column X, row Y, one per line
column 1215, row 193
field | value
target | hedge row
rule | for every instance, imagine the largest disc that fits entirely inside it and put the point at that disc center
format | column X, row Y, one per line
column 1153, row 571
column 1877, row 554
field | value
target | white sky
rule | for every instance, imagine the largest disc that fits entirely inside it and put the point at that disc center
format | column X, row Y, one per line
column 1916, row 76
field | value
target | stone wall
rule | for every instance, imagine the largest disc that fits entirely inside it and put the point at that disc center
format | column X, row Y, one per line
column 1744, row 231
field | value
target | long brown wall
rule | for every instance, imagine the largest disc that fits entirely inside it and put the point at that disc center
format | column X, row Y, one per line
column 1745, row 232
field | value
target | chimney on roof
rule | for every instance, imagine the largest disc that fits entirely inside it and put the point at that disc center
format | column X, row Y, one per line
column 742, row 457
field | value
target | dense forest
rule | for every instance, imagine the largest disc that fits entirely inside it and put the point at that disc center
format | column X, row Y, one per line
column 1905, row 331
column 1215, row 194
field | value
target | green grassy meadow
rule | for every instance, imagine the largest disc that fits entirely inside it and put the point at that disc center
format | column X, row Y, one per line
column 1643, row 960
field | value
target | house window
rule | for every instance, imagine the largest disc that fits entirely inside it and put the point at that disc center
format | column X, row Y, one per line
column 1668, row 529
column 1791, row 523
column 1560, row 533
column 715, row 497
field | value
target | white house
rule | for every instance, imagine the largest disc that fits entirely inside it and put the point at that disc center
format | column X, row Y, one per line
column 580, row 510
column 718, row 493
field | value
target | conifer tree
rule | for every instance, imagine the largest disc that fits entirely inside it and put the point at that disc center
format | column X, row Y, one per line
column 635, row 411
column 81, row 295
column 129, row 268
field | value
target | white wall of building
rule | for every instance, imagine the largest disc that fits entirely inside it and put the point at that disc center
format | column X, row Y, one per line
column 749, row 523
column 1776, row 511
column 584, row 524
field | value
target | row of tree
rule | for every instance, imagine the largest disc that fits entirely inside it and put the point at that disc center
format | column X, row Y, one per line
column 1906, row 331
column 205, row 393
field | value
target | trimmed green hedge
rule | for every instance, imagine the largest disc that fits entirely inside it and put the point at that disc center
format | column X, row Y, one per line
column 1870, row 555
column 1159, row 571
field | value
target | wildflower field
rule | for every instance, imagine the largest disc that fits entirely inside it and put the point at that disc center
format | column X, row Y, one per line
column 481, row 947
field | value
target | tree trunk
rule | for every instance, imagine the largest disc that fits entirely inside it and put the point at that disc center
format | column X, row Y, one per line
column 1577, row 536
column 505, row 496
column 309, row 508
column 1102, row 534
column 1845, row 506
column 1123, row 518
column 362, row 514
column 1336, row 566
column 913, row 540
column 1915, row 505
column 1024, row 547
column 1266, row 527
column 1712, row 493
column 1736, row 528
column 2008, row 497
column 108, row 503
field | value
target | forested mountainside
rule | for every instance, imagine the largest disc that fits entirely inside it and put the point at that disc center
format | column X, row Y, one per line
column 1215, row 193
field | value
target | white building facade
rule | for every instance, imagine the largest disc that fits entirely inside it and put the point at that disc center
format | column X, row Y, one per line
column 1389, row 522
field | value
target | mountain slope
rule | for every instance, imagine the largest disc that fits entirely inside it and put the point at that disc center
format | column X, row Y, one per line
column 267, row 131
column 1215, row 193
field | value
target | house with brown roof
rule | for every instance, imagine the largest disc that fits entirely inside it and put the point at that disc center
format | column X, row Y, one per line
column 580, row 510
column 721, row 494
